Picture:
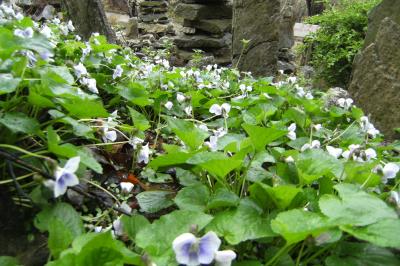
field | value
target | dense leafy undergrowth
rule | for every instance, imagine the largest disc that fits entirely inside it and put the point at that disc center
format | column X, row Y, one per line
column 270, row 173
column 340, row 38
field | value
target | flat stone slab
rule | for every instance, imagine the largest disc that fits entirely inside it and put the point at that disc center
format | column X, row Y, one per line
column 199, row 41
column 213, row 26
column 301, row 30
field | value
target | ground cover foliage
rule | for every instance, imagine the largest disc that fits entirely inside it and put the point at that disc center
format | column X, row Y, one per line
column 275, row 173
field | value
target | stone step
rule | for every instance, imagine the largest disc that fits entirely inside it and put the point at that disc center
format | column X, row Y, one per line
column 199, row 41
column 213, row 26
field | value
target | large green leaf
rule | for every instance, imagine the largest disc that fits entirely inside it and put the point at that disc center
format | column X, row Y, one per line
column 223, row 197
column 79, row 128
column 187, row 132
column 63, row 212
column 133, row 224
column 361, row 254
column 98, row 249
column 282, row 195
column 193, row 198
column 154, row 201
column 297, row 225
column 315, row 163
column 135, row 93
column 85, row 107
column 256, row 171
column 173, row 158
column 247, row 222
column 139, row 120
column 8, row 83
column 215, row 163
column 261, row 136
column 384, row 233
column 20, row 122
column 354, row 207
column 156, row 239
column 60, row 237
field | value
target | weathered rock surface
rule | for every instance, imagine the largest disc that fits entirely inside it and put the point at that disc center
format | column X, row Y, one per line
column 199, row 11
column 375, row 83
column 388, row 8
column 88, row 17
column 206, row 26
column 260, row 57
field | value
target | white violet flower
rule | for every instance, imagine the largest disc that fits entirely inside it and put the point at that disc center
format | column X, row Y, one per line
column 224, row 257
column 192, row 251
column 90, row 83
column 169, row 105
column 80, row 70
column 345, row 103
column 25, row 33
column 64, row 177
column 118, row 72
column 180, row 97
column 223, row 109
column 126, row 187
column 335, row 152
column 143, row 156
column 390, row 171
column 292, row 131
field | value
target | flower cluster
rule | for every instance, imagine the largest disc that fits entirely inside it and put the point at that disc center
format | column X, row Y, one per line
column 192, row 251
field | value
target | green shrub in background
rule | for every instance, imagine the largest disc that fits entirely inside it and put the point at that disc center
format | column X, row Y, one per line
column 341, row 36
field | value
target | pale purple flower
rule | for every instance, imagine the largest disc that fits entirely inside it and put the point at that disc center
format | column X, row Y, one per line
column 368, row 127
column 292, row 131
column 317, row 127
column 64, row 29
column 126, row 187
column 143, row 156
column 135, row 141
column 315, row 144
column 395, row 198
column 390, row 171
column 345, row 103
column 180, row 97
column 64, row 177
column 90, row 83
column 46, row 31
column 224, row 257
column 309, row 96
column 203, row 127
column 292, row 80
column 169, row 105
column 80, row 70
column 118, row 72
column 19, row 16
column 352, row 148
column 212, row 144
column 192, row 251
column 25, row 33
column 370, row 154
column 70, row 26
column 188, row 110
column 223, row 109
column 335, row 152
column 289, row 159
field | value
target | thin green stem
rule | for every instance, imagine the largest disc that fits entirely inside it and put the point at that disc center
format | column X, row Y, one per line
column 300, row 253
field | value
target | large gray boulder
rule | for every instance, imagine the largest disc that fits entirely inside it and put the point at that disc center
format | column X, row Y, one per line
column 388, row 8
column 375, row 83
column 257, row 21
